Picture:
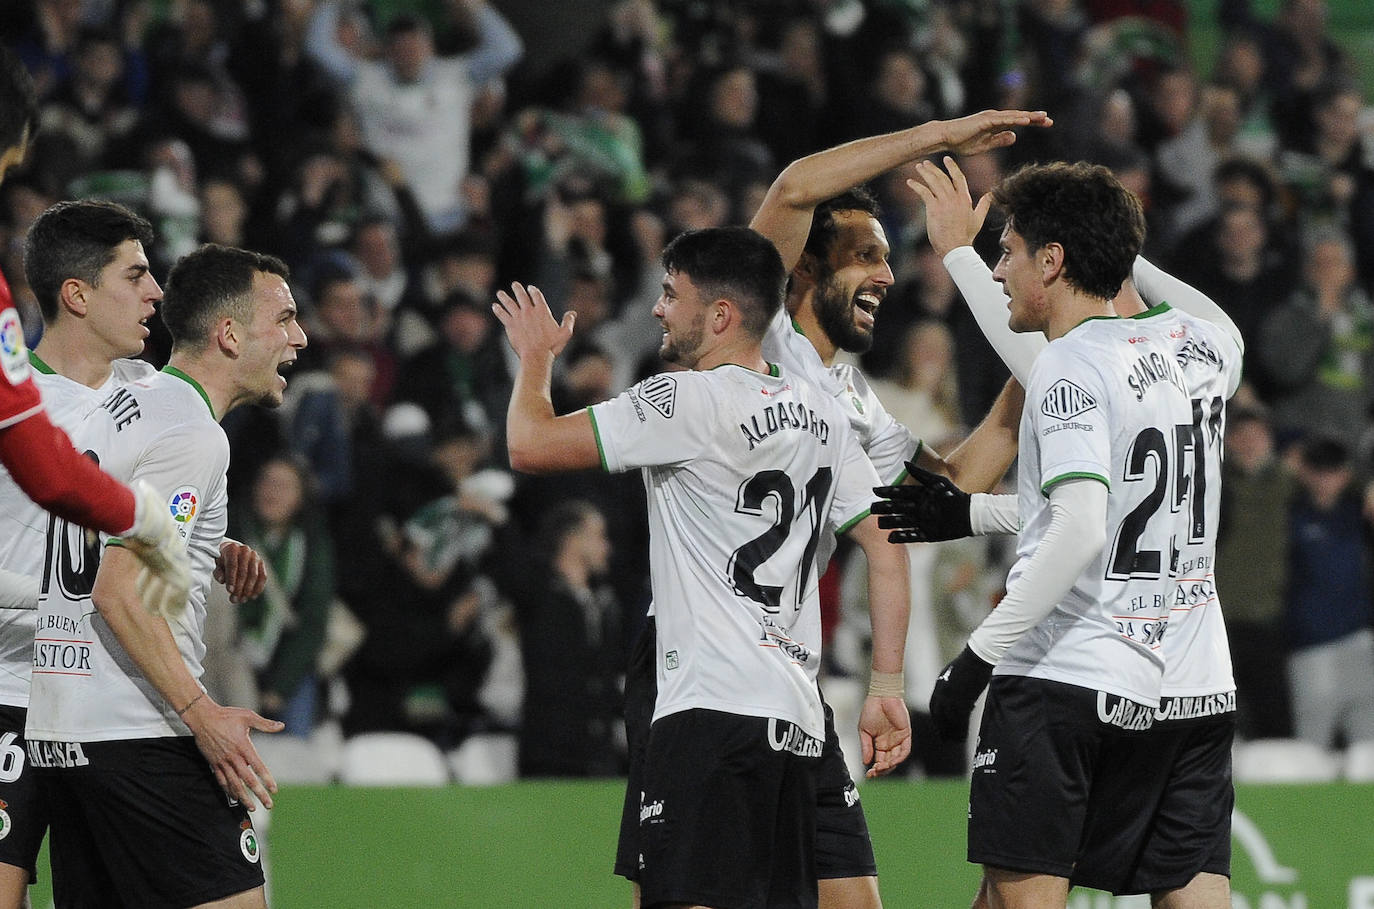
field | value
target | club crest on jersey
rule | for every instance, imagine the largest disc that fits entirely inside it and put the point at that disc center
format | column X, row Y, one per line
column 5, row 824
column 14, row 357
column 1065, row 400
column 183, row 505
column 660, row 393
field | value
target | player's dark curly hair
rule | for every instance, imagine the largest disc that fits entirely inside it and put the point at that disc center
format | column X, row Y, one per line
column 18, row 100
column 735, row 264
column 76, row 240
column 1085, row 209
column 209, row 283
column 823, row 227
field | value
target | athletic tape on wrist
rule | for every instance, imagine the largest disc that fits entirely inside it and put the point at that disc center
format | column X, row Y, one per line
column 887, row 684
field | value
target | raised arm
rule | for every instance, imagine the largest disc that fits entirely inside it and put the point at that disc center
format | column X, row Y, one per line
column 785, row 215
column 538, row 440
column 952, row 221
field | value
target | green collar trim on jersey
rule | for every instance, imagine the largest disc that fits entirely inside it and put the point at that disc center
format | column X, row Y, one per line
column 1157, row 309
column 796, row 326
column 773, row 370
column 173, row 371
column 37, row 363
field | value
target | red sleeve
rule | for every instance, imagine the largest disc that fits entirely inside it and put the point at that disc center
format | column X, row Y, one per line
column 17, row 402
column 48, row 469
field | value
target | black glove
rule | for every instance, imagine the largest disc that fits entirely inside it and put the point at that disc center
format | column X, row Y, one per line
column 956, row 688
column 930, row 509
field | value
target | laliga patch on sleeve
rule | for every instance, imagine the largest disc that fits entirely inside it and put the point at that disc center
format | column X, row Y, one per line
column 183, row 504
column 660, row 393
column 1065, row 400
column 14, row 356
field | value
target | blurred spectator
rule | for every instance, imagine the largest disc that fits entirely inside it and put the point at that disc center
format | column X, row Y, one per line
column 1240, row 67
column 414, row 106
column 572, row 644
column 1331, row 663
column 1237, row 263
column 223, row 213
column 387, row 279
column 1188, row 161
column 463, row 374
column 722, row 142
column 794, row 93
column 282, row 631
column 93, row 105
column 923, row 393
column 417, row 592
column 1328, row 165
column 1317, row 349
column 341, row 314
column 1252, row 572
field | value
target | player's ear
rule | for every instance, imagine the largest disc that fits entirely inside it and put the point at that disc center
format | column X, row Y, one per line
column 722, row 315
column 227, row 336
column 807, row 269
column 71, row 296
column 1051, row 260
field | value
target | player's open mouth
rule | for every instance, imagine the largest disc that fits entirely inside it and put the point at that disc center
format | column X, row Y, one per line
column 867, row 304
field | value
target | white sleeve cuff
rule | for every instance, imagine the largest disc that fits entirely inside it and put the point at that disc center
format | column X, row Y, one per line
column 993, row 514
column 1076, row 534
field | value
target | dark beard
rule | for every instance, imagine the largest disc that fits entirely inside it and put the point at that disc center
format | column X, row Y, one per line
column 684, row 345
column 835, row 313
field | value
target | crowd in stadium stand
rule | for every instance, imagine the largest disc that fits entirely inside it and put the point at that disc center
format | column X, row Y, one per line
column 406, row 158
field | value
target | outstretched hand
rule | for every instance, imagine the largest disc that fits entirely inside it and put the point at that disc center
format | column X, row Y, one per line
column 952, row 220
column 989, row 129
column 529, row 324
column 884, row 734
column 221, row 734
column 927, row 510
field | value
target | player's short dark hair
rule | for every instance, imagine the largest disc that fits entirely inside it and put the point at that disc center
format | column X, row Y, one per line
column 76, row 240
column 18, row 100
column 209, row 283
column 733, row 263
column 823, row 227
column 1085, row 209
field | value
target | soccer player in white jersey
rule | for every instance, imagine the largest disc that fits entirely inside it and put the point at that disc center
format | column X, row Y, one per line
column 835, row 252
column 146, row 777
column 1185, row 860
column 746, row 466
column 38, row 455
column 86, row 264
column 1073, row 651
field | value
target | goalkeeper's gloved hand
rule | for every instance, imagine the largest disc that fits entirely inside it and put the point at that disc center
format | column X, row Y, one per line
column 930, row 509
column 956, row 690
column 165, row 581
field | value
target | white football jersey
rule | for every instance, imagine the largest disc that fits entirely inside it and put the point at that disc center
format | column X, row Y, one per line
column 1103, row 402
column 24, row 526
column 745, row 474
column 1197, row 655
column 887, row 443
column 85, row 687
